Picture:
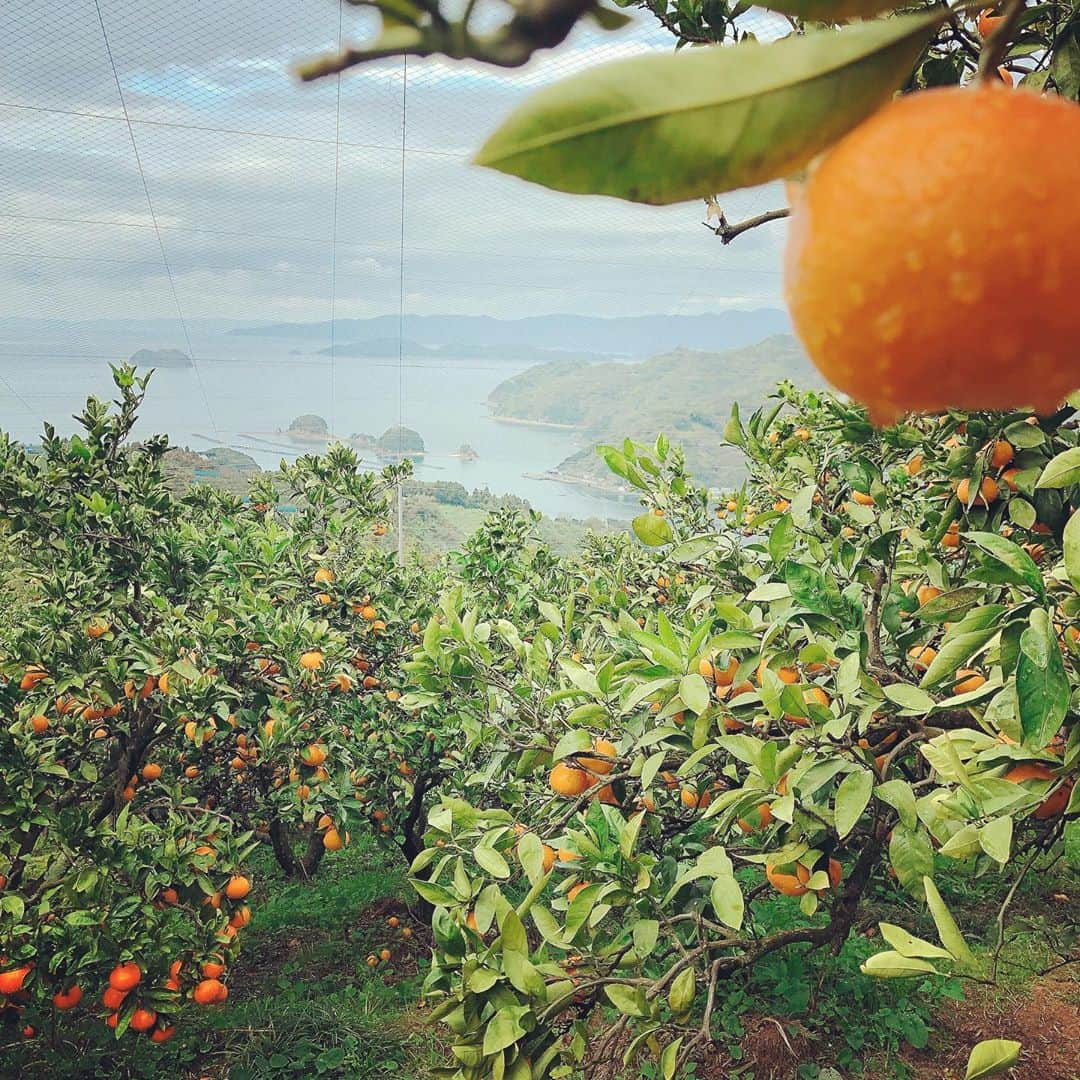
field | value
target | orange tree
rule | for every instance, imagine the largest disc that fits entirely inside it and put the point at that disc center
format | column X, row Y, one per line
column 861, row 674
column 185, row 677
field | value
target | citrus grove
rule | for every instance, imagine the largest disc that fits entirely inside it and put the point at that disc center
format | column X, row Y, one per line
column 627, row 782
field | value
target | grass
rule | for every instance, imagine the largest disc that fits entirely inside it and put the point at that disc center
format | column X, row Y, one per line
column 304, row 1001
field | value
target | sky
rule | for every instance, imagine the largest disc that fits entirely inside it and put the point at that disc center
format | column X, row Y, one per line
column 159, row 157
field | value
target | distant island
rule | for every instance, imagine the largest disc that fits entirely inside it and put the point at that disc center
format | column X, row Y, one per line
column 160, row 358
column 395, row 444
column 685, row 393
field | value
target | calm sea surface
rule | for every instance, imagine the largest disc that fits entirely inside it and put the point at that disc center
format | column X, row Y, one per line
column 247, row 389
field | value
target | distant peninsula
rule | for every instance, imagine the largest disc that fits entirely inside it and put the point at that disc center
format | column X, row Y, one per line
column 685, row 393
column 160, row 358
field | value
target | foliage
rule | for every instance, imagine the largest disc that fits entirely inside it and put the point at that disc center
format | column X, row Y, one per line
column 830, row 691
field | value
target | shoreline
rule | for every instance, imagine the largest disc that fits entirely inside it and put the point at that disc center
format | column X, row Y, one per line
column 612, row 493
column 522, row 422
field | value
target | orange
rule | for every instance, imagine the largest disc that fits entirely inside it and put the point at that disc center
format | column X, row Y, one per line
column 988, row 492
column 39, row 724
column 1051, row 806
column 124, row 976
column 549, row 859
column 787, row 884
column 951, row 539
column 764, row 818
column 914, row 465
column 572, row 893
column 1001, row 454
column 311, row 661
column 341, row 682
column 568, row 781
column 968, row 679
column 891, row 260
column 11, row 981
column 988, row 22
column 67, row 999
column 324, row 576
column 151, row 771
column 33, row 675
column 96, row 628
column 332, row 840
column 313, row 755
column 209, row 992
column 598, row 765
column 692, row 800
column 566, row 855
column 160, row 1035
column 862, row 498
column 213, row 969
column 925, row 593
column 238, row 887
column 1009, row 478
column 142, row 1019
column 921, row 656
column 113, row 999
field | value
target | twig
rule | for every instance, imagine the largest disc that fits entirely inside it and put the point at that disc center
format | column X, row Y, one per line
column 728, row 232
column 997, row 44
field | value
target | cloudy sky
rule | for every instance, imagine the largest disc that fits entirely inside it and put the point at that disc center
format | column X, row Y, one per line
column 273, row 204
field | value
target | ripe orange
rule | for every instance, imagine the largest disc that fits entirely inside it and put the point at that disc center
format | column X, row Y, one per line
column 238, row 887
column 862, row 498
column 968, row 679
column 151, row 771
column 324, row 576
column 213, row 969
column 787, row 884
column 567, row 781
column 67, row 999
column 33, row 675
column 332, row 840
column 988, row 22
column 891, row 262
column 598, row 765
column 988, row 492
column 311, row 661
column 914, row 465
column 142, row 1019
column 96, row 628
column 210, row 992
column 124, row 976
column 572, row 893
column 39, row 724
column 1001, row 454
column 113, row 999
column 11, row 981
column 921, row 656
column 925, row 593
column 762, row 819
column 313, row 754
column 1009, row 478
column 160, row 1035
column 384, row 954
column 951, row 539
column 692, row 800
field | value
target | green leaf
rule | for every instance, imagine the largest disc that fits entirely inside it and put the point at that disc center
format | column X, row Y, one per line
column 996, row 838
column 1042, row 686
column 434, row 894
column 694, row 691
column 1061, row 471
column 505, row 1028
column 667, row 128
column 573, row 741
column 522, row 975
column 947, row 606
column 852, row 797
column 909, row 698
column 992, row 1057
column 911, row 855
column 781, row 539
column 628, row 836
column 681, row 992
column 947, row 929
column 645, row 934
column 908, row 945
column 652, row 529
column 954, row 653
column 727, row 901
column 898, row 795
column 490, row 860
column 669, row 1059
column 626, row 1000
column 1071, row 544
column 1016, row 559
column 891, row 965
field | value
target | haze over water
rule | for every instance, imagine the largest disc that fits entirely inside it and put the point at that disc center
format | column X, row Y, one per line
column 256, row 386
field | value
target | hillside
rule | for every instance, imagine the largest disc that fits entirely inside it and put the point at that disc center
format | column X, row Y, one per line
column 637, row 335
column 685, row 393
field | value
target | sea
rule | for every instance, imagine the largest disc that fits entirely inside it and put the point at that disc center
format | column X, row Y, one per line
column 244, row 391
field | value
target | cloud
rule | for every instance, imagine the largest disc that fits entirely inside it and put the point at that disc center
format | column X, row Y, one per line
column 253, row 196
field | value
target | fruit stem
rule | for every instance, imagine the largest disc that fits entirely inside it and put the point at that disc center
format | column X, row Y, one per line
column 997, row 44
